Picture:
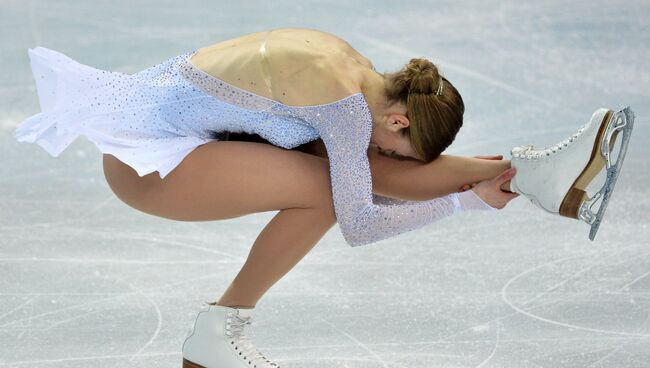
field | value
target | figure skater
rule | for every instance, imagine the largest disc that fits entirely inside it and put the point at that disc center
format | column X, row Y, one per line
column 298, row 121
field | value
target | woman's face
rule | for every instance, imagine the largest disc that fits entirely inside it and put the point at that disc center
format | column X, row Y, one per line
column 390, row 141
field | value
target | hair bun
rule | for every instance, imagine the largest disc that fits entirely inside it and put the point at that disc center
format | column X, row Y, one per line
column 422, row 75
column 421, row 65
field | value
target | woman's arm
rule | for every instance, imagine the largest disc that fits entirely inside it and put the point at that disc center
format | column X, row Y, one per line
column 413, row 180
column 410, row 179
column 345, row 131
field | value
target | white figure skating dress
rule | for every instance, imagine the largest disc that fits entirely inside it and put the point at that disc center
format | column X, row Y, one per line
column 152, row 119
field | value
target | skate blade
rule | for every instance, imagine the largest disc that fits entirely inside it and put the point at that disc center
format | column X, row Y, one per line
column 188, row 364
column 626, row 116
column 577, row 193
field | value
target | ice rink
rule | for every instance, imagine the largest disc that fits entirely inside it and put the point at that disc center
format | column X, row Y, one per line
column 87, row 281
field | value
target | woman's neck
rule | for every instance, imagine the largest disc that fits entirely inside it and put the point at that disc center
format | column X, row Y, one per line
column 373, row 91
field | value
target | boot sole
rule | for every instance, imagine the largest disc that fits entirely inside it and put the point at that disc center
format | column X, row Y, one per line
column 188, row 364
column 577, row 194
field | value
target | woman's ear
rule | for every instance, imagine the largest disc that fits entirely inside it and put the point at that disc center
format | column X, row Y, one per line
column 398, row 122
column 405, row 121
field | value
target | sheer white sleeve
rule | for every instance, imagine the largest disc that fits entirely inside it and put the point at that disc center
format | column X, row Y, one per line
column 363, row 216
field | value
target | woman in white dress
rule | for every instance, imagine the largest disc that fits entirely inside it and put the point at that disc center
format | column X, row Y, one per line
column 293, row 120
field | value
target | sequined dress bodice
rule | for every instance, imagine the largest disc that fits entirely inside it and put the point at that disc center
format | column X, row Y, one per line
column 230, row 109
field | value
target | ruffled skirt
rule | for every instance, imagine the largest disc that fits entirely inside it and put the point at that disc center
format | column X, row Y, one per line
column 143, row 119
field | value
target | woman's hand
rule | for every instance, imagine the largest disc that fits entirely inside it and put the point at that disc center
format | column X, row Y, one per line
column 490, row 190
column 469, row 186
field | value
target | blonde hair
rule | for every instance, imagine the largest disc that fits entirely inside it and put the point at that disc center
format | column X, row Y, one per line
column 435, row 111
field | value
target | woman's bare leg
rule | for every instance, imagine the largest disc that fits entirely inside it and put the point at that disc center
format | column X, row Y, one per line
column 224, row 179
column 290, row 235
column 410, row 179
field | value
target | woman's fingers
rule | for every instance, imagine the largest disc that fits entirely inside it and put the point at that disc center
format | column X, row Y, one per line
column 504, row 176
column 489, row 190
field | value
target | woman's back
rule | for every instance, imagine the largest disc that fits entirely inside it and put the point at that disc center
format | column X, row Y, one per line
column 296, row 67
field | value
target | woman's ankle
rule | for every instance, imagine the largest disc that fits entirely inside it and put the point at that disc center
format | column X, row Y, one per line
column 231, row 305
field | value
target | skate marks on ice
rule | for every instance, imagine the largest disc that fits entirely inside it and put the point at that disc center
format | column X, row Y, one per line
column 356, row 341
column 85, row 314
column 395, row 363
column 576, row 305
column 95, row 208
column 494, row 350
column 551, row 301
column 111, row 302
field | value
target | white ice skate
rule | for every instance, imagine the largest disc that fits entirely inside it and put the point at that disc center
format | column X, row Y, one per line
column 218, row 341
column 556, row 178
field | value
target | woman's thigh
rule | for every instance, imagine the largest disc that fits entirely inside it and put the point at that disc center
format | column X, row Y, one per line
column 225, row 179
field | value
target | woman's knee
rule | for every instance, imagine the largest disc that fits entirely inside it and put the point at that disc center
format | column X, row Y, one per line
column 325, row 208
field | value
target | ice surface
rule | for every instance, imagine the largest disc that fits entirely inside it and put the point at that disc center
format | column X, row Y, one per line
column 86, row 281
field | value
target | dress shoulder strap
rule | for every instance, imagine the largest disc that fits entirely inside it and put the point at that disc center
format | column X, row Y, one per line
column 264, row 60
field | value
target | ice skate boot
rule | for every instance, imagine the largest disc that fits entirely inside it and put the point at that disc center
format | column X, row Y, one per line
column 217, row 340
column 556, row 178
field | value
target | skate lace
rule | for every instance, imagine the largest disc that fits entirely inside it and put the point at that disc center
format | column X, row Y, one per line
column 243, row 345
column 530, row 152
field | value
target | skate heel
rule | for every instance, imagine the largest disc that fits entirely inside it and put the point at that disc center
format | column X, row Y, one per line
column 188, row 364
column 577, row 194
column 572, row 202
